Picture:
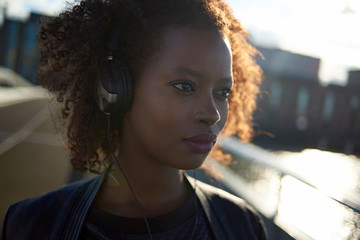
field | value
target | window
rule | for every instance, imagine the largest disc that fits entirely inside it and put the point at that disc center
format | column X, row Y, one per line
column 328, row 106
column 275, row 95
column 354, row 102
column 11, row 44
column 302, row 101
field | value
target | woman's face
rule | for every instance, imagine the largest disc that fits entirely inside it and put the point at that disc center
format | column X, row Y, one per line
column 180, row 102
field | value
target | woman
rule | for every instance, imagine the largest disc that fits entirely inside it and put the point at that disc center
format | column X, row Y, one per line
column 146, row 88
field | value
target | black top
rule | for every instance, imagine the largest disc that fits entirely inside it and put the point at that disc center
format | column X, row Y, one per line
column 182, row 223
column 61, row 214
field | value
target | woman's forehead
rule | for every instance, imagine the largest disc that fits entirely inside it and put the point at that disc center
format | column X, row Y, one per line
column 177, row 39
column 200, row 52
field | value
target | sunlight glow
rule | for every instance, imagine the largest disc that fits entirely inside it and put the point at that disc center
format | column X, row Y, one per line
column 333, row 173
column 310, row 209
column 313, row 213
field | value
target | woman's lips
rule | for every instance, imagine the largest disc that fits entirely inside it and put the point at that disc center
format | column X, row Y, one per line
column 202, row 143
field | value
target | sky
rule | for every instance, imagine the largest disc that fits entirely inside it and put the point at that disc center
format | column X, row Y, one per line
column 317, row 28
column 325, row 29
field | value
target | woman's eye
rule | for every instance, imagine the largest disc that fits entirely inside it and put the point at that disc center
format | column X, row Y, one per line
column 224, row 93
column 184, row 86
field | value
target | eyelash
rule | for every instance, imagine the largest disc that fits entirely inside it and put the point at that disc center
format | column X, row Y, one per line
column 189, row 86
column 223, row 93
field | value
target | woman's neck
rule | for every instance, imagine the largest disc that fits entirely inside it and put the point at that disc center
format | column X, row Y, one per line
column 159, row 190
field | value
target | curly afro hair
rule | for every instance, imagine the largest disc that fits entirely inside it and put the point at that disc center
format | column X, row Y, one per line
column 74, row 44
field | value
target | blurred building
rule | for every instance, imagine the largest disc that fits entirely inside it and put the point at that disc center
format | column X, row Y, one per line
column 18, row 45
column 296, row 112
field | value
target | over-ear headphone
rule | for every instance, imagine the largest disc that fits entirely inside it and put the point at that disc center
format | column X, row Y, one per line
column 114, row 87
column 114, row 83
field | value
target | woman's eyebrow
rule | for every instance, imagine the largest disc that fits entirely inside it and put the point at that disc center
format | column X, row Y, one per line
column 197, row 74
column 187, row 71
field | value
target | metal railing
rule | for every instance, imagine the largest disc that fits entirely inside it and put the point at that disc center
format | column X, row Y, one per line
column 292, row 202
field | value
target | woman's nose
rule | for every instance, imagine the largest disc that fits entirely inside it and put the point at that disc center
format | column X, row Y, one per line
column 207, row 111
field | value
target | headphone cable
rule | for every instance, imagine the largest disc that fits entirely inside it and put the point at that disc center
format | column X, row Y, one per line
column 196, row 205
column 108, row 116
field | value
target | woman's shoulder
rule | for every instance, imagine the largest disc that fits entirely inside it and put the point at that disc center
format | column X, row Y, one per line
column 45, row 212
column 235, row 215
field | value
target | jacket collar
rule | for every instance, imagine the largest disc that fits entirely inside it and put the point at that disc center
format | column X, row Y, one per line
column 81, row 207
column 87, row 195
column 209, row 209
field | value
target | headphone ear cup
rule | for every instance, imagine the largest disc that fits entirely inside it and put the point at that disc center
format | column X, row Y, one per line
column 114, row 87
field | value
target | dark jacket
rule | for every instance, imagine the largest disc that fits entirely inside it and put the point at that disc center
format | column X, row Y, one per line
column 60, row 214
